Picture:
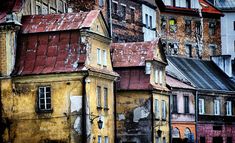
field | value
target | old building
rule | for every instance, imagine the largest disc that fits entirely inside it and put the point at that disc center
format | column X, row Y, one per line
column 183, row 119
column 215, row 97
column 190, row 28
column 142, row 102
column 227, row 25
column 57, row 82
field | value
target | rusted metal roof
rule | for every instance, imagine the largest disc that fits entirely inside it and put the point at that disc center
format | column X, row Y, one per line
column 58, row 22
column 209, row 8
column 9, row 6
column 45, row 53
column 132, row 54
column 133, row 79
column 175, row 83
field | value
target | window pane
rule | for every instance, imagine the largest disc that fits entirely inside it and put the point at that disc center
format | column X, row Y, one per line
column 98, row 56
column 104, row 58
column 98, row 96
column 156, row 109
column 42, row 106
column 105, row 97
column 146, row 20
column 48, row 106
column 99, row 139
column 156, row 76
column 106, row 139
column 186, row 106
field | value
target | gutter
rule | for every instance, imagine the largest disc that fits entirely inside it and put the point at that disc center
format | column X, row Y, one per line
column 110, row 19
column 152, row 118
column 196, row 114
column 115, row 111
column 84, row 118
column 169, row 107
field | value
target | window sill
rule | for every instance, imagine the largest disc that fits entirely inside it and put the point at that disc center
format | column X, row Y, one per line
column 44, row 111
column 99, row 108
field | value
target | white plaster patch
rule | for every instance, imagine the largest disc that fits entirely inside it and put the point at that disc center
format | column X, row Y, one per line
column 140, row 113
column 76, row 103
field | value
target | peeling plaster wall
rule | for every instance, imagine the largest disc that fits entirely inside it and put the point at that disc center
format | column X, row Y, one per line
column 26, row 125
column 134, row 116
column 181, row 38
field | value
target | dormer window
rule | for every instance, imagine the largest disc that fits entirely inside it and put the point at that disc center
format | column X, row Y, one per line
column 147, row 68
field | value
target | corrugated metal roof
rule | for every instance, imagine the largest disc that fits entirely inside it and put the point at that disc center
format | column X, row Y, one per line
column 58, row 22
column 175, row 83
column 225, row 4
column 202, row 74
column 132, row 54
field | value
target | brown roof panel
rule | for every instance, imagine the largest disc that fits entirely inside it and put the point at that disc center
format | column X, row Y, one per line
column 132, row 54
column 175, row 83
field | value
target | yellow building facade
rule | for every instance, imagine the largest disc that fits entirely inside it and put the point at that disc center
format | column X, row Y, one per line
column 51, row 94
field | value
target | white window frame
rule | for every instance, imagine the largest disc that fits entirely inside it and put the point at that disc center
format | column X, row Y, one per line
column 216, row 107
column 45, row 95
column 229, row 108
column 163, row 110
column 156, row 75
column 201, row 106
column 104, row 57
column 98, row 56
column 99, row 139
column 98, row 94
column 156, row 106
column 106, row 139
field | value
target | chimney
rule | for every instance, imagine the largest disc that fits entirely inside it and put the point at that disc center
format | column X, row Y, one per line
column 224, row 62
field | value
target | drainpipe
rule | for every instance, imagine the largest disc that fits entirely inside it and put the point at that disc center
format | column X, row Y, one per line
column 196, row 114
column 84, row 119
column 110, row 19
column 169, row 107
column 1, row 118
column 115, row 111
column 152, row 118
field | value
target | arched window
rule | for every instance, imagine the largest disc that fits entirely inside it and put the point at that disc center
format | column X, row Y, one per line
column 175, row 133
column 187, row 133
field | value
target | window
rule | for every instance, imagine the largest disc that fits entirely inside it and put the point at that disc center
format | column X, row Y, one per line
column 188, row 26
column 229, row 140
column 164, row 140
column 115, row 5
column 44, row 9
column 188, row 50
column 106, row 139
column 146, row 20
column 150, row 22
column 228, row 108
column 99, row 139
column 156, row 76
column 44, row 98
column 201, row 106
column 101, row 3
column 198, row 27
column 211, row 28
column 202, row 140
column 38, row 9
column 187, row 133
column 132, row 15
column 188, row 3
column 163, row 24
column 234, row 45
column 105, row 98
column 175, row 133
column 98, row 56
column 216, row 107
column 174, row 104
column 123, row 12
column 172, row 25
column 147, row 68
column 156, row 109
column 160, row 76
column 173, row 2
column 158, row 140
column 61, row 6
column 186, row 104
column 233, row 25
column 98, row 92
column 212, row 50
column 104, row 58
column 163, row 110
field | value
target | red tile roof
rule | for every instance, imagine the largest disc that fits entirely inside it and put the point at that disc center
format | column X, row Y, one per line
column 58, row 22
column 49, row 53
column 9, row 6
column 132, row 54
column 175, row 83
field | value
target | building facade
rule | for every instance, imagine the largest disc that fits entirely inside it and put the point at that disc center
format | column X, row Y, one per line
column 190, row 28
column 142, row 102
column 48, row 79
column 214, row 98
column 183, row 119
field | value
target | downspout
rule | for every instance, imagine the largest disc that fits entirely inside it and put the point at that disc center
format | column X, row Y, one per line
column 84, row 119
column 115, row 111
column 152, row 118
column 1, row 118
column 169, row 107
column 196, row 114
column 110, row 19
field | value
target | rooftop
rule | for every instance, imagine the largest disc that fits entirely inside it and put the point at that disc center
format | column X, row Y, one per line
column 201, row 74
column 176, row 83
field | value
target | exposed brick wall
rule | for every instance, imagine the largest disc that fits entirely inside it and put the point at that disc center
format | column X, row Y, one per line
column 182, row 38
column 206, row 130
